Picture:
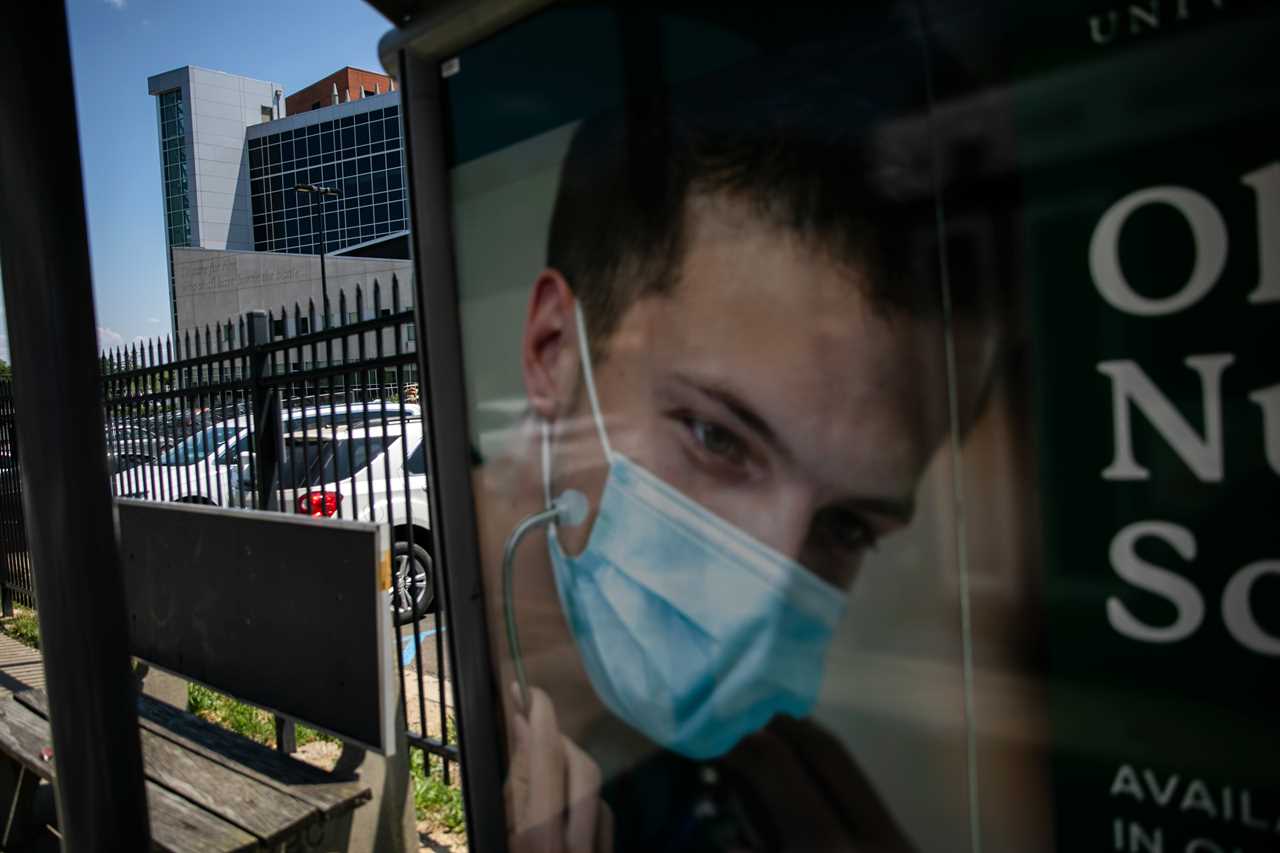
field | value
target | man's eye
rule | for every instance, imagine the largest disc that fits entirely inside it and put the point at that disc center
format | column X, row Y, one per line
column 847, row 531
column 717, row 441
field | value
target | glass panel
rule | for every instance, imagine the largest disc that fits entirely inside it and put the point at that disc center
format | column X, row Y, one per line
column 1123, row 638
column 987, row 287
column 753, row 636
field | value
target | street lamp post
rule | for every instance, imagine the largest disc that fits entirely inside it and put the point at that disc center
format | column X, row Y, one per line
column 314, row 190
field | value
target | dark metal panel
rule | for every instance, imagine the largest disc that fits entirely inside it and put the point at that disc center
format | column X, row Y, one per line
column 284, row 611
column 439, row 28
column 453, row 519
column 52, row 336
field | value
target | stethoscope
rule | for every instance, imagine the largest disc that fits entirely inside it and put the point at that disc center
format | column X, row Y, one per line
column 570, row 509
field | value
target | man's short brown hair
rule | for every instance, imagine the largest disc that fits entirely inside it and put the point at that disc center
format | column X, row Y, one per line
column 791, row 138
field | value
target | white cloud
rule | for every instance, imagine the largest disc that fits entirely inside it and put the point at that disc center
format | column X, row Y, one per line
column 4, row 347
column 109, row 338
column 115, row 4
column 153, row 319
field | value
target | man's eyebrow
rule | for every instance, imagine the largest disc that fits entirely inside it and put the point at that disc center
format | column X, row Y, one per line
column 739, row 409
column 899, row 509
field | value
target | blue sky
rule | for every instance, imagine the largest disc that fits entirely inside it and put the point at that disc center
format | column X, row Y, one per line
column 115, row 46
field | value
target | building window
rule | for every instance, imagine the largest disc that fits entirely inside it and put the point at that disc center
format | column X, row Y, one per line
column 267, row 115
column 277, row 328
column 304, row 325
column 173, row 163
column 366, row 168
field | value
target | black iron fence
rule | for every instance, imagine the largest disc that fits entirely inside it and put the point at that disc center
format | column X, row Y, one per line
column 291, row 412
column 18, row 582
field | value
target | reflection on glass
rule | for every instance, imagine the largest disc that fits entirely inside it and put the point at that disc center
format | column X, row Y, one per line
column 874, row 430
column 709, row 372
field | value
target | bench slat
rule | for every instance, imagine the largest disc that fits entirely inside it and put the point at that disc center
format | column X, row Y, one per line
column 266, row 812
column 23, row 734
column 332, row 795
column 177, row 826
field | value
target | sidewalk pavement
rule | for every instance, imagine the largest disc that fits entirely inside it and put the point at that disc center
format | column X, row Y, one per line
column 21, row 667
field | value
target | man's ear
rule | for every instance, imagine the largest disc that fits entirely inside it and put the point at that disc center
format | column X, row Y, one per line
column 549, row 352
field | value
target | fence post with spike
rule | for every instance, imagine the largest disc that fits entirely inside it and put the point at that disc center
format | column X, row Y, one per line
column 264, row 447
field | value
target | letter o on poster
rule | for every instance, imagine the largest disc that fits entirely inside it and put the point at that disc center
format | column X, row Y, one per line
column 1238, row 613
column 1208, row 230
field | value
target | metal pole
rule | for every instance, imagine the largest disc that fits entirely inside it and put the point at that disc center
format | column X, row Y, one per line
column 324, row 287
column 84, row 629
column 265, row 449
column 265, row 429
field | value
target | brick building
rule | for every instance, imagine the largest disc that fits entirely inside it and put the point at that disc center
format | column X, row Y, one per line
column 349, row 83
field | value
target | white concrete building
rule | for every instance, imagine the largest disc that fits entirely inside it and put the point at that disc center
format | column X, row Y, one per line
column 212, row 286
column 202, row 116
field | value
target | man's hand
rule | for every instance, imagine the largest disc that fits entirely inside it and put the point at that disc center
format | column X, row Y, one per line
column 553, row 789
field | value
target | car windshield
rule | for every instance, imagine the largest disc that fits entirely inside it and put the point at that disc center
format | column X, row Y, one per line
column 197, row 446
column 318, row 461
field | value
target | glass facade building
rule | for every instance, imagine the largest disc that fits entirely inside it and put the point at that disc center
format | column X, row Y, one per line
column 202, row 116
column 358, row 154
column 174, row 178
column 173, row 163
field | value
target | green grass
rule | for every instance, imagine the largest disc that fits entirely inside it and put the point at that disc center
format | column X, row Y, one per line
column 433, row 800
column 23, row 627
column 254, row 723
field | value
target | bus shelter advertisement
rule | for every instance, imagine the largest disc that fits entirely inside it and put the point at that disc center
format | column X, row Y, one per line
column 1156, row 257
column 875, row 415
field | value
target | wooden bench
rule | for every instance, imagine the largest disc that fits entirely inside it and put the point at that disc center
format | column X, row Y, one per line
column 284, row 612
column 208, row 789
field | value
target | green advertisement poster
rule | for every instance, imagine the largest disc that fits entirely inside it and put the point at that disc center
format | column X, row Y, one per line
column 1150, row 163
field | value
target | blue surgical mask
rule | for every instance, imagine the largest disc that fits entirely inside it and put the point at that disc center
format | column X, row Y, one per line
column 692, row 631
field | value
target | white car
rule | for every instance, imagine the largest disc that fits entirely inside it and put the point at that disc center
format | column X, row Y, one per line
column 365, row 472
column 323, row 446
column 197, row 468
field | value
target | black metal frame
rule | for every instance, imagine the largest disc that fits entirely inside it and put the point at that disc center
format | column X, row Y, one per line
column 44, row 249
column 453, row 516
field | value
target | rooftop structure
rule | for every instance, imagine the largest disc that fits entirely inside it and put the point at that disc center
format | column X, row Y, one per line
column 346, row 84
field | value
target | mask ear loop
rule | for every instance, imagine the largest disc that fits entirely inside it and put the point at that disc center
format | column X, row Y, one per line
column 569, row 508
column 546, row 465
column 585, row 353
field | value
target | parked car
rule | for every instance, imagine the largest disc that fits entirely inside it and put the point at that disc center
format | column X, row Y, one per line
column 136, row 441
column 323, row 445
column 194, row 470
column 367, row 472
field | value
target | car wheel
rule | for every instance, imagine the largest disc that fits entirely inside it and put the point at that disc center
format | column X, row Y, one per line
column 412, row 582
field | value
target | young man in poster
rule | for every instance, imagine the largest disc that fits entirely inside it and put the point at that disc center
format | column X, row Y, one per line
column 734, row 363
